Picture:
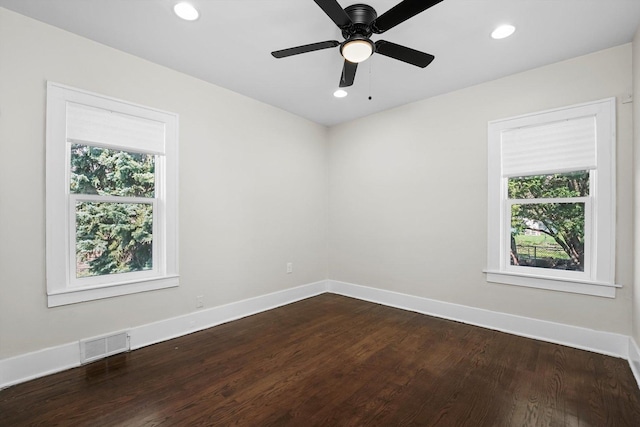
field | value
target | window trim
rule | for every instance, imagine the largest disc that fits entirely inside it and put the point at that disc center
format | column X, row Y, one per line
column 599, row 276
column 62, row 287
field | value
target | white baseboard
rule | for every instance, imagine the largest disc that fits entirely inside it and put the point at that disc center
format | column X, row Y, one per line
column 607, row 343
column 39, row 363
column 55, row 359
column 634, row 359
column 47, row 361
column 163, row 330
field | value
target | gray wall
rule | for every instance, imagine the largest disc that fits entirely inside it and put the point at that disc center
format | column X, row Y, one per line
column 408, row 193
column 403, row 193
column 253, row 188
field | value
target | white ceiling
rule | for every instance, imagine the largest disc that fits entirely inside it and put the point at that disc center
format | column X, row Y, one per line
column 230, row 44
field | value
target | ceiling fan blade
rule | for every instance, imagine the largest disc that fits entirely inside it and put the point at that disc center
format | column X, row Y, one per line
column 403, row 53
column 348, row 73
column 305, row 48
column 400, row 13
column 335, row 12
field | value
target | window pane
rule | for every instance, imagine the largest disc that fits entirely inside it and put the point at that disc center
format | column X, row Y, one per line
column 548, row 235
column 113, row 238
column 103, row 171
column 573, row 184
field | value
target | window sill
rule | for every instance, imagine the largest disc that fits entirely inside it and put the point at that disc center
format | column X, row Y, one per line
column 73, row 296
column 599, row 289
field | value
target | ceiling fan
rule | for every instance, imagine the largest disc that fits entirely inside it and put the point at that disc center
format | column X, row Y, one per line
column 358, row 22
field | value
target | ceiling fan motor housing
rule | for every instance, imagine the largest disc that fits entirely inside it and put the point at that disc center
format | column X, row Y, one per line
column 362, row 15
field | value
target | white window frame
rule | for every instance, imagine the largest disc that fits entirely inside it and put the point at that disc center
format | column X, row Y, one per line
column 598, row 277
column 62, row 285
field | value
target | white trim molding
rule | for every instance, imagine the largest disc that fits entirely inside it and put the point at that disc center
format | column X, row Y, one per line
column 606, row 290
column 25, row 367
column 47, row 361
column 29, row 366
column 578, row 138
column 608, row 343
column 78, row 117
column 634, row 359
column 203, row 319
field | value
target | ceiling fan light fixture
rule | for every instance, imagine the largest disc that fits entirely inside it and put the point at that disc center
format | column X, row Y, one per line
column 503, row 31
column 186, row 11
column 357, row 50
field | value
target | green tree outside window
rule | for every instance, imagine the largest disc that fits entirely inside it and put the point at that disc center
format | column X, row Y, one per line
column 112, row 237
column 561, row 226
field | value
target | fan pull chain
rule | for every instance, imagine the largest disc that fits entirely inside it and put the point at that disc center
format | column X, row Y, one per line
column 370, row 80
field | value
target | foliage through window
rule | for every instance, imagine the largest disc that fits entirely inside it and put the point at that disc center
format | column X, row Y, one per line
column 112, row 237
column 544, row 234
column 551, row 216
column 111, row 197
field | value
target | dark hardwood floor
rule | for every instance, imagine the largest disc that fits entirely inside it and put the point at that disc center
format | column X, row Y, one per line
column 332, row 360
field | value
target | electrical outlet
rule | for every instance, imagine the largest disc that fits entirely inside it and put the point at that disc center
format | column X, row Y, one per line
column 199, row 301
column 289, row 267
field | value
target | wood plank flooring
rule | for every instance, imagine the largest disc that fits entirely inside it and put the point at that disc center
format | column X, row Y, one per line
column 336, row 361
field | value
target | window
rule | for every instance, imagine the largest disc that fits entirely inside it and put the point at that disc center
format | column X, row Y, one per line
column 552, row 200
column 111, row 197
column 547, row 219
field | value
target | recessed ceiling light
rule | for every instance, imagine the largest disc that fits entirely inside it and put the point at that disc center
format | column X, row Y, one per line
column 503, row 31
column 186, row 11
column 340, row 93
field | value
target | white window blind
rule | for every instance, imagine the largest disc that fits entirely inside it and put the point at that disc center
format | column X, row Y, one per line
column 568, row 139
column 563, row 146
column 114, row 129
column 76, row 116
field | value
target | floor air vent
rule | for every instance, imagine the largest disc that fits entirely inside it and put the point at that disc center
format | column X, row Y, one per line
column 96, row 348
